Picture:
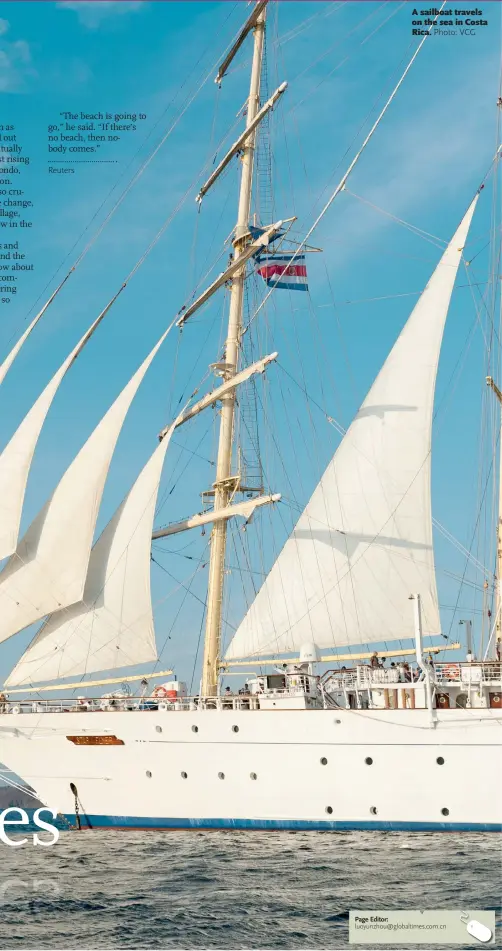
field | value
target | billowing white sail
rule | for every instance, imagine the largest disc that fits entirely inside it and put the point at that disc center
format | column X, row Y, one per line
column 16, row 458
column 364, row 541
column 112, row 626
column 47, row 572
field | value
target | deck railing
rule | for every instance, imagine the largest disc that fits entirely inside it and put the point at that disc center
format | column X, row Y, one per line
column 469, row 672
column 131, row 704
column 365, row 678
column 362, row 679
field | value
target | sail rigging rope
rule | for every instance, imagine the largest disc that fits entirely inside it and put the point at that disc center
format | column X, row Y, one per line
column 136, row 267
column 345, row 59
column 301, row 27
column 333, row 422
column 426, row 235
column 341, row 185
column 473, row 536
column 340, row 40
column 461, row 548
column 132, row 181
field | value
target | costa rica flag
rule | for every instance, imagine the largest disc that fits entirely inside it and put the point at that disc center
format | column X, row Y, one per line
column 277, row 271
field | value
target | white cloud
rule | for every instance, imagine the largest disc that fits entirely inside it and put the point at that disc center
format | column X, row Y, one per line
column 4, row 26
column 15, row 64
column 92, row 12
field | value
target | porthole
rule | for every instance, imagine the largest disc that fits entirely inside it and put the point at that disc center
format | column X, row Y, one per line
column 195, row 729
column 148, row 773
column 440, row 761
column 253, row 776
column 221, row 775
column 373, row 810
column 445, row 811
column 184, row 775
column 329, row 809
column 235, row 729
column 337, row 721
column 323, row 761
column 368, row 761
column 159, row 729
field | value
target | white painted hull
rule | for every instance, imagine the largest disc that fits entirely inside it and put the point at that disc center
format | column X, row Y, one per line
column 293, row 788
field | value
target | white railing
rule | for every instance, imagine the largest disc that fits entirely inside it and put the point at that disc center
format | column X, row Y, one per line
column 340, row 679
column 128, row 704
column 387, row 676
column 362, row 679
column 365, row 677
column 487, row 672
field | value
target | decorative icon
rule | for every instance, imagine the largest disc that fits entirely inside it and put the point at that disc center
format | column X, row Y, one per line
column 476, row 928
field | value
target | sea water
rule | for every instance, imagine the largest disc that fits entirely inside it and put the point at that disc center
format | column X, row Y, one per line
column 224, row 889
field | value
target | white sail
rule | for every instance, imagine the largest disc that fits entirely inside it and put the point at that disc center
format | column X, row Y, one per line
column 363, row 543
column 9, row 360
column 16, row 458
column 112, row 626
column 47, row 572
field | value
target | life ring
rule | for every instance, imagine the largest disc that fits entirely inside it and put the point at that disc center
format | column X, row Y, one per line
column 16, row 708
column 452, row 671
column 159, row 692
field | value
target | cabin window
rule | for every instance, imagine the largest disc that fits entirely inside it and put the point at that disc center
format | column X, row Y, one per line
column 276, row 682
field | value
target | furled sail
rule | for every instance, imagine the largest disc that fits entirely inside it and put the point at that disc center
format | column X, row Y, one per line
column 363, row 543
column 112, row 626
column 16, row 458
column 47, row 572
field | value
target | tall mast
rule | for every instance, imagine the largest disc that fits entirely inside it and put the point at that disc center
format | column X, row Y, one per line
column 498, row 600
column 226, row 484
column 498, row 590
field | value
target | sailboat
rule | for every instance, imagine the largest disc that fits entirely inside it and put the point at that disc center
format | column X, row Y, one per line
column 320, row 736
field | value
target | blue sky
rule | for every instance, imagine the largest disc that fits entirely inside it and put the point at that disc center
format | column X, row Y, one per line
column 424, row 165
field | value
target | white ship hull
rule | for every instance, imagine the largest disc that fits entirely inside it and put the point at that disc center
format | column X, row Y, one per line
column 142, row 784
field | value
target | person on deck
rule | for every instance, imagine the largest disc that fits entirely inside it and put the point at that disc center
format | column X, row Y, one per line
column 374, row 661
